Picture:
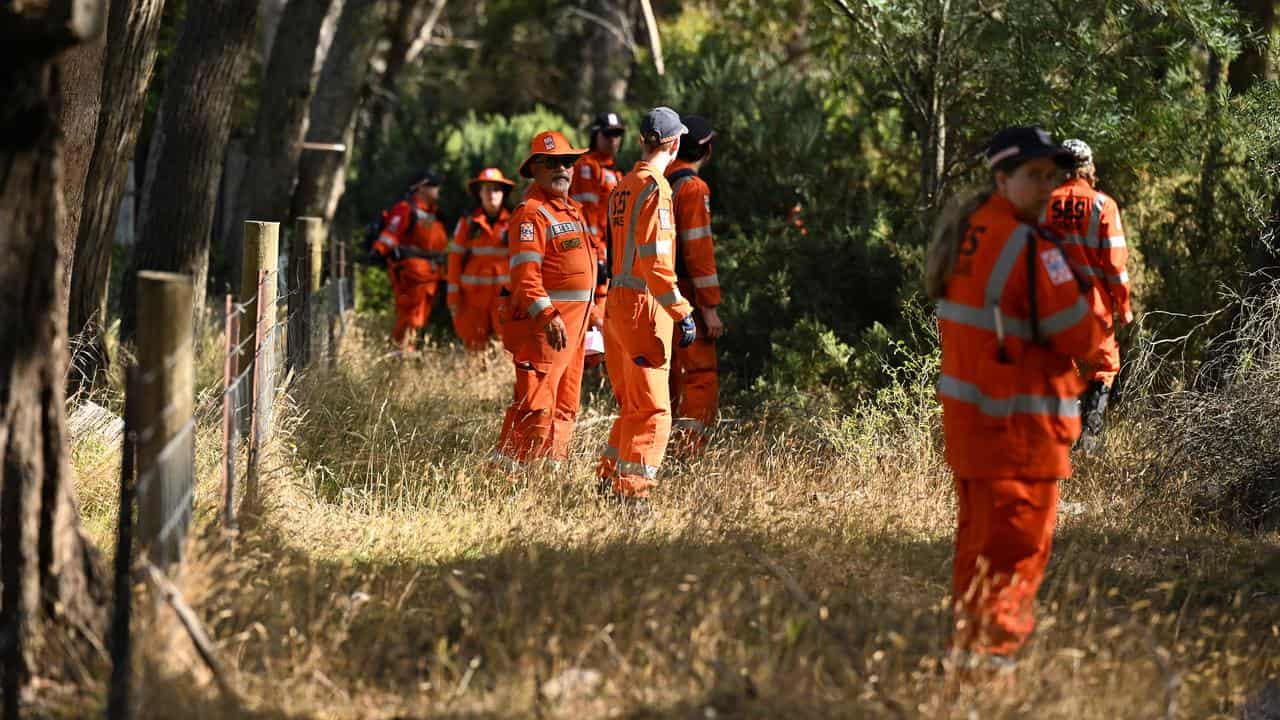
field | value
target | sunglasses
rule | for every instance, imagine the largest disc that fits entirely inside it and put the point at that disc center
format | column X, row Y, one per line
column 551, row 162
column 614, row 133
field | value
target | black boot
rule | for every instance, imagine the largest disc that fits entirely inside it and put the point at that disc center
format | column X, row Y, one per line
column 1093, row 407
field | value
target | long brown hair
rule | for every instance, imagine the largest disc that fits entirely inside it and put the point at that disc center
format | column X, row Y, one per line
column 953, row 223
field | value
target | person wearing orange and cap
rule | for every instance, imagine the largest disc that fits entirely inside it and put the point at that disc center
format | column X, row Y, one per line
column 695, row 387
column 1088, row 221
column 413, row 243
column 478, row 261
column 552, row 265
column 594, row 177
column 644, row 308
column 1012, row 317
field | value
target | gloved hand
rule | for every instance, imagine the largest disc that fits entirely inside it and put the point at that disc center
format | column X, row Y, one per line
column 688, row 331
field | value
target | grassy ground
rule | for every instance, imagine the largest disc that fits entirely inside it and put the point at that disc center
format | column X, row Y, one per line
column 799, row 569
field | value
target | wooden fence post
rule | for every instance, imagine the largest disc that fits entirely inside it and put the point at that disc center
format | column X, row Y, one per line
column 306, row 258
column 166, row 433
column 261, row 255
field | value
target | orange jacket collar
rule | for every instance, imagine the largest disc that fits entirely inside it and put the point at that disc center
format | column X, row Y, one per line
column 1077, row 183
column 679, row 165
column 423, row 204
column 606, row 161
column 479, row 215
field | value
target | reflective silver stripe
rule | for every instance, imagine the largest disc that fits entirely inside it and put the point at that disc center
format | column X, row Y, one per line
column 489, row 250
column 527, row 256
column 610, row 452
column 675, row 186
column 648, row 472
column 629, row 247
column 587, row 198
column 386, row 240
column 1115, row 241
column 1064, row 319
column 628, row 281
column 1120, row 279
column 455, row 247
column 572, row 295
column 538, row 306
column 981, row 318
column 706, row 281
column 695, row 233
column 542, row 209
column 1095, row 219
column 485, row 279
column 1074, row 239
column 661, row 247
column 1013, row 247
column 957, row 389
column 671, row 298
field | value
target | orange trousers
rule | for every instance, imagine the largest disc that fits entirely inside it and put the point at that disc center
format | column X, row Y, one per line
column 478, row 318
column 1004, row 531
column 637, row 340
column 695, row 387
column 544, row 407
column 1108, row 367
column 413, row 307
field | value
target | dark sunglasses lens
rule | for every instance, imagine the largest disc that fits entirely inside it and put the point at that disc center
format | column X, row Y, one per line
column 613, row 133
column 552, row 162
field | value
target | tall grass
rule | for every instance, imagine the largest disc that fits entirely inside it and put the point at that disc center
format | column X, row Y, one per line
column 797, row 569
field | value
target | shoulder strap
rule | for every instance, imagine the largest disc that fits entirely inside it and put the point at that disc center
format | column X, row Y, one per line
column 678, row 178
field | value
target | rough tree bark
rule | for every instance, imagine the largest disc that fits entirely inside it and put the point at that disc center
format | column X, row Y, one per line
column 335, row 105
column 200, row 91
column 608, row 54
column 132, row 28
column 1256, row 61
column 47, row 568
column 276, row 144
column 80, row 84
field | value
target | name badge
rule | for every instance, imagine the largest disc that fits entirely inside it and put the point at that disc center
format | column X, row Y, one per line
column 571, row 243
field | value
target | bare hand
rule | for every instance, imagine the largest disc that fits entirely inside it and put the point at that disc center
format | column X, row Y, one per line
column 557, row 335
column 711, row 318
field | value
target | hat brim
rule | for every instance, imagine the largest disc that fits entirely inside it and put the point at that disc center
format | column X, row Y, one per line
column 571, row 152
column 471, row 184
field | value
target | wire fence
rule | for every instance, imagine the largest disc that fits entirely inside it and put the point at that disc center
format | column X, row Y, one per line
column 269, row 337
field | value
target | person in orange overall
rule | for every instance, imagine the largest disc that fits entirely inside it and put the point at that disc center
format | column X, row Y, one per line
column 695, row 388
column 1088, row 222
column 413, row 243
column 553, row 279
column 1012, row 316
column 644, row 307
column 594, row 177
column 478, row 262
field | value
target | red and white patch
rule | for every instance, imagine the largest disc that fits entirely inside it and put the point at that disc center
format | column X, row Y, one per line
column 527, row 231
column 1055, row 265
column 548, row 143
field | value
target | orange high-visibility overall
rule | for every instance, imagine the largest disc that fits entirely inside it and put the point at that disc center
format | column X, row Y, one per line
column 553, row 273
column 414, row 281
column 1013, row 316
column 644, row 304
column 695, row 387
column 1088, row 222
column 478, row 267
column 595, row 176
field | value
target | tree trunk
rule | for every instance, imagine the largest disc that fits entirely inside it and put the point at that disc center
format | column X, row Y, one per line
column 47, row 569
column 1256, row 62
column 80, row 81
column 133, row 28
column 284, row 100
column 196, row 116
column 334, row 107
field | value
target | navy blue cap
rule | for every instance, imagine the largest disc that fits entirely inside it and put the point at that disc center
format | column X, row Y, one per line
column 1025, row 142
column 661, row 125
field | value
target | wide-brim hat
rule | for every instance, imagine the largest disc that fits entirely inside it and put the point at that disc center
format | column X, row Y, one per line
column 490, row 175
column 549, row 142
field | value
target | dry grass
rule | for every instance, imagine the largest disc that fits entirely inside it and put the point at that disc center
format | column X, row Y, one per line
column 797, row 570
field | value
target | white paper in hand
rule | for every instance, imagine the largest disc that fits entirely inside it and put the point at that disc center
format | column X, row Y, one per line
column 595, row 342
